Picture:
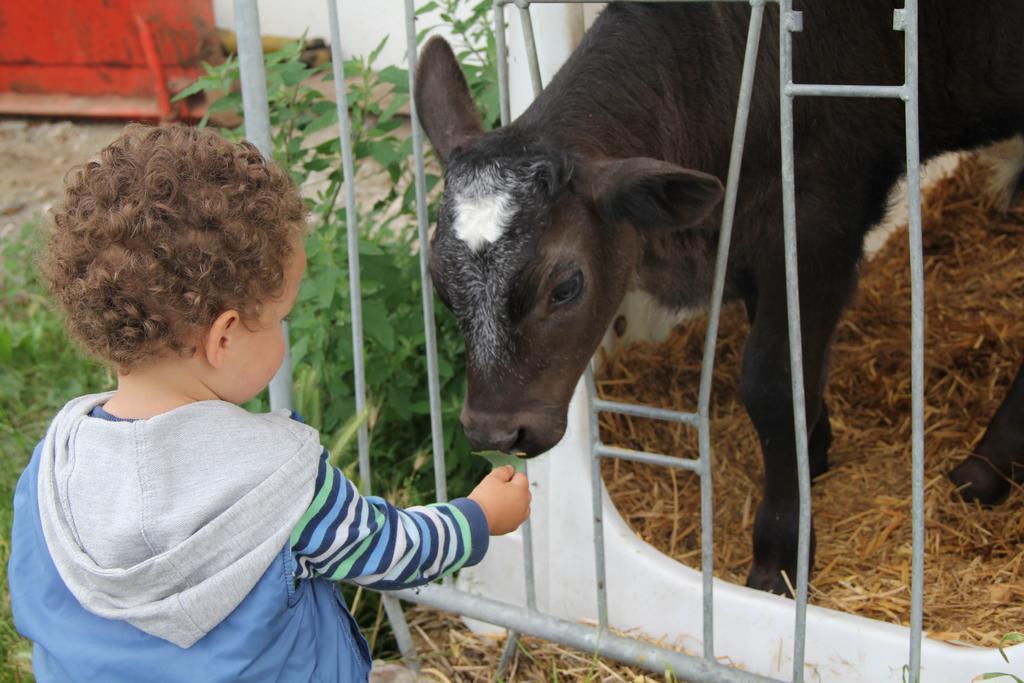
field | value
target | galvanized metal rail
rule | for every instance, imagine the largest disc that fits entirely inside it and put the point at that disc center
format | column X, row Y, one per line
column 530, row 620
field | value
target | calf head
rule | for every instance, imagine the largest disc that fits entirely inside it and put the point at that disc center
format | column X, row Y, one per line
column 535, row 247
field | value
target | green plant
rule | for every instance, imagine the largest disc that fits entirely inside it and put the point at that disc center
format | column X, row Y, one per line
column 474, row 48
column 39, row 370
column 389, row 263
column 995, row 674
column 1012, row 638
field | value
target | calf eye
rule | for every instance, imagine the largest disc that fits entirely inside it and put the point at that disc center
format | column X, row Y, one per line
column 567, row 290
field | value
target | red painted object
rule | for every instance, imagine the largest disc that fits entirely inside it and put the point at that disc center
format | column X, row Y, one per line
column 103, row 58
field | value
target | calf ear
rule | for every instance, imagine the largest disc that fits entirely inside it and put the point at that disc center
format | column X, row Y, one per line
column 648, row 193
column 443, row 102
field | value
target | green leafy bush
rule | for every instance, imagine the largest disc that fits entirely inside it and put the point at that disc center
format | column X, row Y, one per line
column 321, row 333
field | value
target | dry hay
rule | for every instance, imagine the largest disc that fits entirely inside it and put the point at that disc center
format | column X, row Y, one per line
column 449, row 652
column 974, row 571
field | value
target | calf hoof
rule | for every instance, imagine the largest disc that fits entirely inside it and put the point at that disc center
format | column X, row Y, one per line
column 768, row 577
column 775, row 551
column 978, row 480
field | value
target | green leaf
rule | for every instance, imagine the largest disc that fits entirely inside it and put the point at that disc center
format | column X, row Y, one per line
column 397, row 102
column 1011, row 638
column 293, row 73
column 367, row 248
column 346, row 434
column 397, row 77
column 377, row 325
column 385, row 152
column 198, row 86
column 325, row 119
column 377, row 50
column 353, row 69
column 444, row 367
column 330, row 147
column 299, row 350
column 499, row 459
column 230, row 102
column 325, row 285
column 994, row 674
column 6, row 344
column 428, row 7
column 317, row 165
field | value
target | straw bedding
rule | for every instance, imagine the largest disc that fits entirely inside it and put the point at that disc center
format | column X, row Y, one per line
column 974, row 572
column 449, row 652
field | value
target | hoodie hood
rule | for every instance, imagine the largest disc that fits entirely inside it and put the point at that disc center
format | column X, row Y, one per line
column 169, row 522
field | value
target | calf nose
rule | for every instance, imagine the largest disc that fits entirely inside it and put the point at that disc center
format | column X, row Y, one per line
column 489, row 431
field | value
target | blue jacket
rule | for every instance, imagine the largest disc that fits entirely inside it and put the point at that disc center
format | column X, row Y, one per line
column 282, row 631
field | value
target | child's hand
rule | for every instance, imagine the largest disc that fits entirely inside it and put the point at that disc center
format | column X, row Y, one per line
column 504, row 496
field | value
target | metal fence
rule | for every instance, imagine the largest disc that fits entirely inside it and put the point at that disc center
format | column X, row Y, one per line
column 531, row 621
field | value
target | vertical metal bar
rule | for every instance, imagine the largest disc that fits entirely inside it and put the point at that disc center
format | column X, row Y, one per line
column 253, row 76
column 788, row 21
column 502, row 51
column 392, row 607
column 281, row 384
column 531, row 583
column 531, row 47
column 739, row 135
column 909, row 24
column 352, row 232
column 422, row 217
column 531, row 55
column 257, row 130
column 400, row 629
column 507, row 654
column 597, row 506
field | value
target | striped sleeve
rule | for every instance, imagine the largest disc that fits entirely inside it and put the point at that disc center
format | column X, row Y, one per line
column 344, row 536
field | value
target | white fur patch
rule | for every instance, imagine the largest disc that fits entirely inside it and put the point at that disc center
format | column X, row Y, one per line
column 647, row 320
column 1006, row 161
column 481, row 220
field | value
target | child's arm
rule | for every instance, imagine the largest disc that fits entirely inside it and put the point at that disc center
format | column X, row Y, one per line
column 365, row 539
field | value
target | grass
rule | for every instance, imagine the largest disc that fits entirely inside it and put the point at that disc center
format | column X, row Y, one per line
column 39, row 370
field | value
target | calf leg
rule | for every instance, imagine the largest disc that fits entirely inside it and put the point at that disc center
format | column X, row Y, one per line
column 767, row 395
column 820, row 441
column 986, row 475
column 821, row 433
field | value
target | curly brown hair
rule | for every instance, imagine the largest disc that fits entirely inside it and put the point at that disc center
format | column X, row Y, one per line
column 168, row 229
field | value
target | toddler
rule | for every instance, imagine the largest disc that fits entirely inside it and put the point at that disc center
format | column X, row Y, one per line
column 161, row 532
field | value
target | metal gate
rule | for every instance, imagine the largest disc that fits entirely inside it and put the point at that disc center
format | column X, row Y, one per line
column 531, row 621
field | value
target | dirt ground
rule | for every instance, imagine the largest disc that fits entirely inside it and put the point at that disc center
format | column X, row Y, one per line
column 35, row 156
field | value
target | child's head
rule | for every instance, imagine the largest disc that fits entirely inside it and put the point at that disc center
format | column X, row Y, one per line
column 179, row 245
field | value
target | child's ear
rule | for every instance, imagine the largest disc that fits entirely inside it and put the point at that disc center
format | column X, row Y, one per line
column 218, row 337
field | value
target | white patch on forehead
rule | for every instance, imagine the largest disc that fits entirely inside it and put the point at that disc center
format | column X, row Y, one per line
column 481, row 219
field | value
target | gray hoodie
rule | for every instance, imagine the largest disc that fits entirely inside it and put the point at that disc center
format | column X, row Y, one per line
column 168, row 523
